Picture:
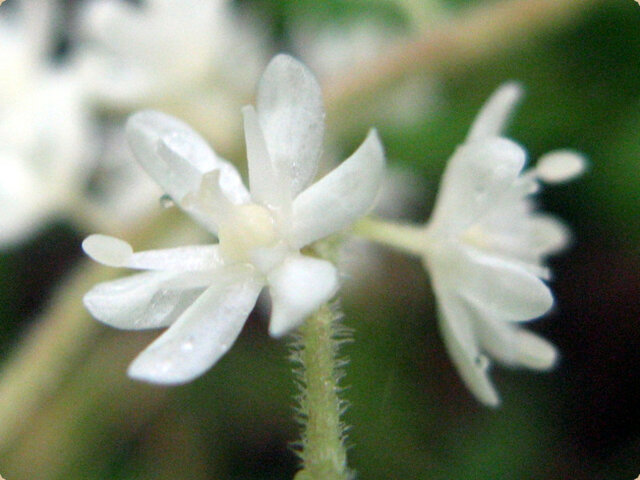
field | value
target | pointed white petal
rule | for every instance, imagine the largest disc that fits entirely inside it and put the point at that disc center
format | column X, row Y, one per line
column 263, row 181
column 177, row 158
column 341, row 197
column 298, row 288
column 560, row 166
column 139, row 301
column 476, row 178
column 499, row 287
column 514, row 346
column 456, row 325
column 289, row 106
column 492, row 118
column 203, row 333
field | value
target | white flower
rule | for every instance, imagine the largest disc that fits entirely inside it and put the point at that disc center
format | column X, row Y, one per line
column 485, row 248
column 206, row 292
column 44, row 137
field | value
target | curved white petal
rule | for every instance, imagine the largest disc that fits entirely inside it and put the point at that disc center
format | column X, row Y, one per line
column 341, row 197
column 118, row 253
column 493, row 116
column 477, row 176
column 535, row 352
column 298, row 288
column 514, row 346
column 140, row 301
column 456, row 325
column 177, row 158
column 500, row 287
column 203, row 333
column 289, row 106
column 547, row 235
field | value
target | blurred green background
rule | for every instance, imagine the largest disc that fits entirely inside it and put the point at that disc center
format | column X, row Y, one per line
column 411, row 416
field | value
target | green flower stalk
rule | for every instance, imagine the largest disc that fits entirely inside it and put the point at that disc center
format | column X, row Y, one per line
column 316, row 349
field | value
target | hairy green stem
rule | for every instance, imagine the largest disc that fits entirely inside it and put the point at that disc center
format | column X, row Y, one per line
column 322, row 447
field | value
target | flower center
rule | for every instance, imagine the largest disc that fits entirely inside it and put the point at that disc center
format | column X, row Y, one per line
column 252, row 227
column 476, row 237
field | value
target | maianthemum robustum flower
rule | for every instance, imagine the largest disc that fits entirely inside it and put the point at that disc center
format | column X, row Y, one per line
column 205, row 293
column 485, row 247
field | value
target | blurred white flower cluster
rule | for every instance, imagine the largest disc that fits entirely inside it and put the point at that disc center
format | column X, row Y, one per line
column 44, row 126
column 355, row 45
column 62, row 149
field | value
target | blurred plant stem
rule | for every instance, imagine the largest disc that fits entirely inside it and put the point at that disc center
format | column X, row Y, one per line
column 87, row 419
column 323, row 452
column 478, row 32
column 422, row 14
column 58, row 341
column 408, row 238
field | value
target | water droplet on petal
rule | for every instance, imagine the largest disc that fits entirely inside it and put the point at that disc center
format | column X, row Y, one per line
column 166, row 201
column 482, row 362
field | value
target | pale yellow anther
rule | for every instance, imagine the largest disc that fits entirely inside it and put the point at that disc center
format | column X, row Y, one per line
column 252, row 227
column 476, row 237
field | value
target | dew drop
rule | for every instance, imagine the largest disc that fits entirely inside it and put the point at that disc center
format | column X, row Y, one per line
column 166, row 201
column 481, row 362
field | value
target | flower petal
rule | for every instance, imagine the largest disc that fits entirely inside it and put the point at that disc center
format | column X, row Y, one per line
column 514, row 346
column 140, row 301
column 263, row 181
column 502, row 288
column 118, row 253
column 177, row 158
column 289, row 106
column 298, row 288
column 203, row 333
column 477, row 176
column 492, row 118
column 548, row 235
column 456, row 325
column 341, row 197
